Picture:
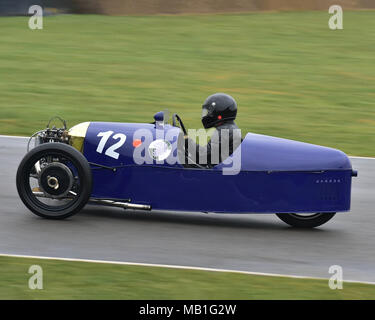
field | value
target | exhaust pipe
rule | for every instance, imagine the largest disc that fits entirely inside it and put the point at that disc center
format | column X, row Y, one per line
column 104, row 202
column 123, row 205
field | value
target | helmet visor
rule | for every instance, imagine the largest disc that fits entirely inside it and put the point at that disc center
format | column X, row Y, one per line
column 204, row 112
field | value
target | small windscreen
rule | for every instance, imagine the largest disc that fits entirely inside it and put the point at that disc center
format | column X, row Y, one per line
column 166, row 116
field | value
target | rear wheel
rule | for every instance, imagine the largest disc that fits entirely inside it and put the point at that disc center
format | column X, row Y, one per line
column 54, row 181
column 305, row 220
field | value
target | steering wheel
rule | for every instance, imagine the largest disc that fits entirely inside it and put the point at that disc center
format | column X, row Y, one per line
column 193, row 164
column 174, row 123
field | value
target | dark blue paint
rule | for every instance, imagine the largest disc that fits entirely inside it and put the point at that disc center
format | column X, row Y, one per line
column 277, row 175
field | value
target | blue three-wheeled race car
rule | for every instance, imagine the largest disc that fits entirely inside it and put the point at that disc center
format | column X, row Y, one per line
column 139, row 166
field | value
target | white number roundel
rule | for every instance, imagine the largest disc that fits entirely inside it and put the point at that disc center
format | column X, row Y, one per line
column 160, row 149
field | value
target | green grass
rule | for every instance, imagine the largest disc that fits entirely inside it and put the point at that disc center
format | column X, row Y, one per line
column 291, row 75
column 83, row 280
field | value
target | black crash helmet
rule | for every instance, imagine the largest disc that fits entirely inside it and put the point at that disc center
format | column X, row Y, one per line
column 218, row 107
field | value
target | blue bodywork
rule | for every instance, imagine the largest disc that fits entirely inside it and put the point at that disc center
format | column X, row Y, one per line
column 276, row 175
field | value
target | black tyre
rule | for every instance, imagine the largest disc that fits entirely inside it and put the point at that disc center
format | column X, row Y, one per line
column 305, row 220
column 61, row 177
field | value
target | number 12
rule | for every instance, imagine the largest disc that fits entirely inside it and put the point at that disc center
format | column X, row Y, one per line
column 111, row 151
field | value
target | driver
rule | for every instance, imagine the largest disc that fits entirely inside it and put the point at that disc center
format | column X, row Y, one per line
column 219, row 111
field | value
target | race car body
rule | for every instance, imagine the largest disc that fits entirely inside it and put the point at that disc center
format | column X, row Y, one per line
column 139, row 166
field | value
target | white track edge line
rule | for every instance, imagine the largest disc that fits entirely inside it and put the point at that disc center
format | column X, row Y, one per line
column 15, row 137
column 176, row 267
column 20, row 137
column 357, row 157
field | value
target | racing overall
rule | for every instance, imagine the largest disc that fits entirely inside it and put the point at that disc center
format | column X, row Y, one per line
column 224, row 141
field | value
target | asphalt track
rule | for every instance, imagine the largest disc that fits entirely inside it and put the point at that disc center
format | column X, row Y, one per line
column 258, row 243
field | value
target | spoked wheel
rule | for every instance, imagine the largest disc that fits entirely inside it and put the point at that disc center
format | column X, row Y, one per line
column 54, row 181
column 305, row 220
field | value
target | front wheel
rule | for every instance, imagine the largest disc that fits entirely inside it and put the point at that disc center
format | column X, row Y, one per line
column 305, row 220
column 54, row 181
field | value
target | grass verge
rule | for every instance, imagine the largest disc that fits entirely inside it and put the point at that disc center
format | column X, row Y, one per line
column 86, row 280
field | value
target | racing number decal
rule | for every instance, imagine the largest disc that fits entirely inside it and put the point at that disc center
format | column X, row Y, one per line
column 111, row 151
